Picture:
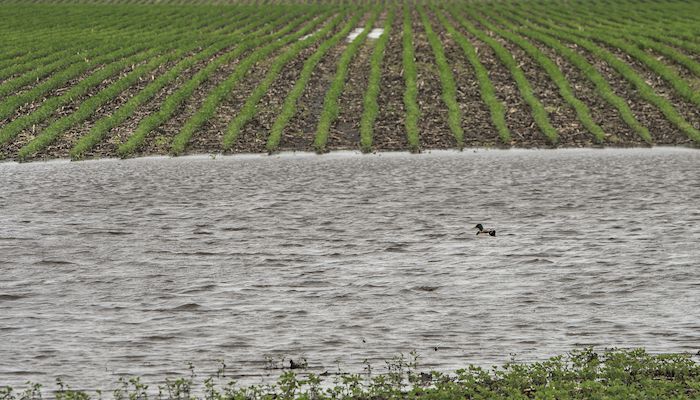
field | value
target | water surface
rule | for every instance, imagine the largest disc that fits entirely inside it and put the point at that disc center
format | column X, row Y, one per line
column 139, row 266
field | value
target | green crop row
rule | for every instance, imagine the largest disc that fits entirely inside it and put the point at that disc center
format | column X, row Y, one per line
column 600, row 29
column 10, row 104
column 61, row 59
column 538, row 112
column 212, row 102
column 627, row 72
column 87, row 108
column 289, row 107
column 50, row 57
column 330, row 110
column 582, row 111
column 102, row 127
column 658, row 67
column 53, row 131
column 449, row 88
column 486, row 89
column 370, row 107
column 602, row 86
column 48, row 107
column 249, row 109
column 173, row 102
column 410, row 76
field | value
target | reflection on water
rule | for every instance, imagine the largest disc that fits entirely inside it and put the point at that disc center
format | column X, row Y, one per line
column 140, row 266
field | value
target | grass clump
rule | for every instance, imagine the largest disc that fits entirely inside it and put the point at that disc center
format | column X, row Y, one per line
column 581, row 374
column 449, row 89
column 330, row 110
column 486, row 88
column 410, row 76
column 370, row 109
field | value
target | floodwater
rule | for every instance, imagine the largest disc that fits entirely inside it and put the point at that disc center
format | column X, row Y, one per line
column 138, row 267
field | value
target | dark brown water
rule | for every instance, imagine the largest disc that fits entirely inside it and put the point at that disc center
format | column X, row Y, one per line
column 139, row 266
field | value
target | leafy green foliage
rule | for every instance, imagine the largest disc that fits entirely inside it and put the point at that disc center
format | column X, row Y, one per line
column 581, row 374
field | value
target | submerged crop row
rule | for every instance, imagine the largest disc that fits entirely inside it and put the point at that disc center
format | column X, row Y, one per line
column 125, row 80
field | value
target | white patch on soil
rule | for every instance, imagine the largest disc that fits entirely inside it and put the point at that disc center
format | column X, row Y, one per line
column 376, row 33
column 354, row 34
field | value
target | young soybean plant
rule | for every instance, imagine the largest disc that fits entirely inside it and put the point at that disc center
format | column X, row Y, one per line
column 371, row 108
column 449, row 89
column 410, row 76
column 330, row 104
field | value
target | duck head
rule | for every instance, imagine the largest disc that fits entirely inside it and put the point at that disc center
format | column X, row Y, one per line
column 479, row 227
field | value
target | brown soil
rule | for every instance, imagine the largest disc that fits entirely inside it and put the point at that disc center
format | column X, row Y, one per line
column 389, row 129
column 476, row 117
column 432, row 124
column 662, row 130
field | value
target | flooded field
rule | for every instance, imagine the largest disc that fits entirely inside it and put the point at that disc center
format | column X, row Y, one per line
column 137, row 267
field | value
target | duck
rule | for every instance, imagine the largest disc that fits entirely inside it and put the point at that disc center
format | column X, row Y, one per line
column 490, row 232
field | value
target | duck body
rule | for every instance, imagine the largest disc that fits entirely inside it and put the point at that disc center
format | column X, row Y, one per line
column 482, row 231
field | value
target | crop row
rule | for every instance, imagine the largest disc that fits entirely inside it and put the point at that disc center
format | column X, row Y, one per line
column 88, row 107
column 103, row 126
column 330, row 110
column 172, row 102
column 290, row 102
column 370, row 109
column 656, row 64
column 250, row 107
column 624, row 69
column 212, row 102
